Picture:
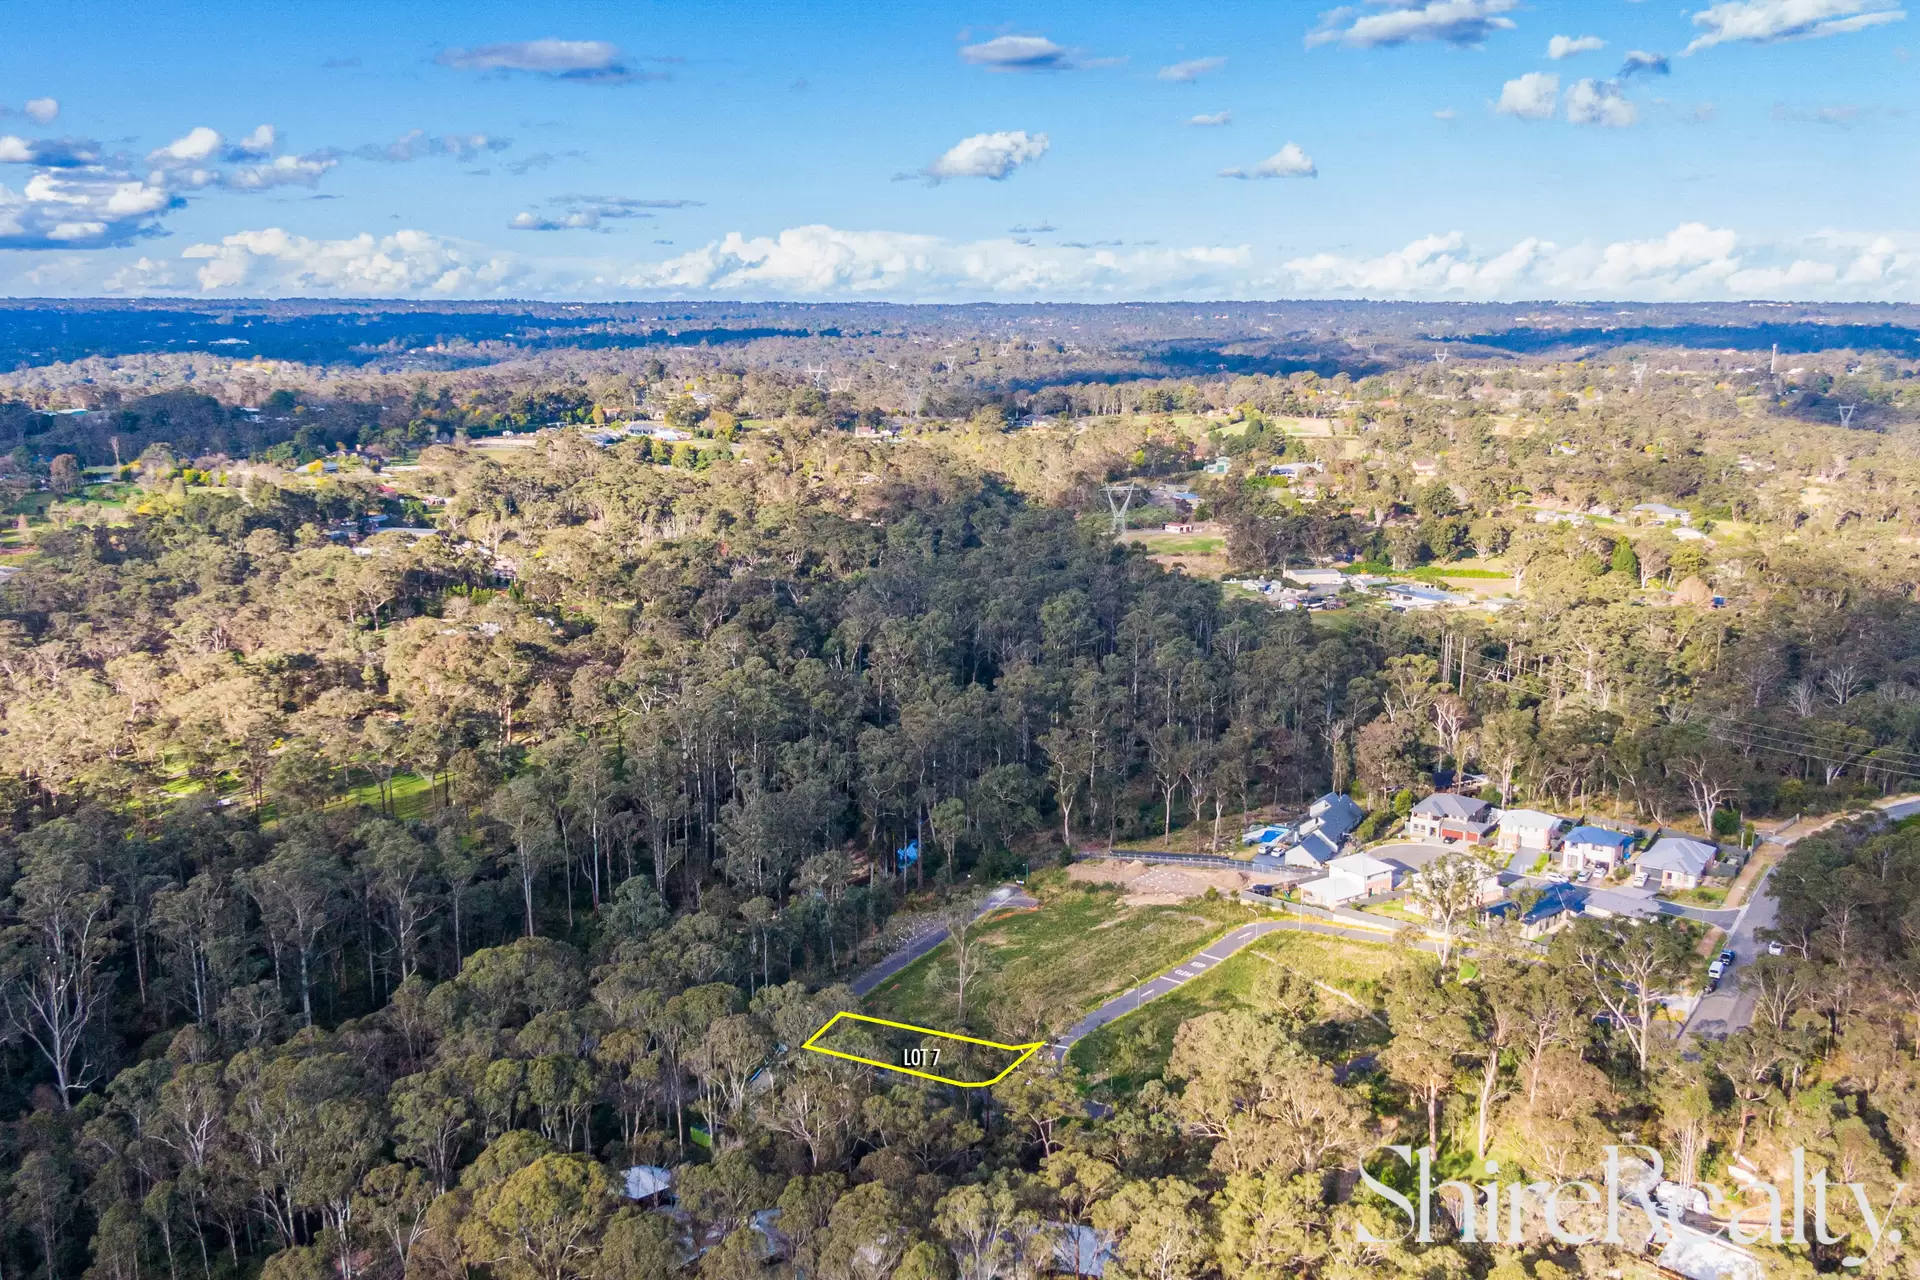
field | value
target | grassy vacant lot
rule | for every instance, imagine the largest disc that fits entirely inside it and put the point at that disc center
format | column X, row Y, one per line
column 1181, row 544
column 1052, row 963
column 1134, row 1050
column 412, row 800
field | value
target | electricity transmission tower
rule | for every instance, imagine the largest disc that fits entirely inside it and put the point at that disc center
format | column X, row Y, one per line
column 1846, row 414
column 1119, row 499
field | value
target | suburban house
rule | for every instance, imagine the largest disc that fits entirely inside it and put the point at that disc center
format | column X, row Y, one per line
column 1594, row 847
column 1450, row 819
column 1317, row 579
column 1178, row 526
column 1612, row 904
column 1527, row 831
column 1558, row 906
column 1661, row 513
column 1356, row 875
column 1494, row 885
column 1676, row 862
column 1401, row 596
column 1319, row 839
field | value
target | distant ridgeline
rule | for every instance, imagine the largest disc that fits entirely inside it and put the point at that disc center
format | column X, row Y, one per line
column 1174, row 338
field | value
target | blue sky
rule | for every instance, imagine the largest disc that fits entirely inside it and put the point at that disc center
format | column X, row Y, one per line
column 1394, row 148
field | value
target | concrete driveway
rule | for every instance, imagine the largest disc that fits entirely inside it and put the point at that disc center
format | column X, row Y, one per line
column 1411, row 854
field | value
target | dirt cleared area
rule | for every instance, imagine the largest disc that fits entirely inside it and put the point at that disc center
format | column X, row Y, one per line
column 1148, row 885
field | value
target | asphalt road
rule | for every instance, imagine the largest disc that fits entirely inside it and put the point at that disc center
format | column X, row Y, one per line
column 1007, row 895
column 1730, row 1008
column 1198, row 963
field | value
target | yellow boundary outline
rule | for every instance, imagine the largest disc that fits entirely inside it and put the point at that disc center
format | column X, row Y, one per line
column 1024, row 1050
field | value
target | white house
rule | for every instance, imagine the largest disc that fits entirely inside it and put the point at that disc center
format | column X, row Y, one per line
column 1661, row 513
column 1594, row 847
column 1356, row 875
column 1676, row 862
column 1331, row 579
column 1451, row 819
column 1401, row 596
column 1527, row 831
column 648, row 1181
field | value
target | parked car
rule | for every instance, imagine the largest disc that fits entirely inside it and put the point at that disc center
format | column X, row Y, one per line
column 1719, row 965
column 1775, row 949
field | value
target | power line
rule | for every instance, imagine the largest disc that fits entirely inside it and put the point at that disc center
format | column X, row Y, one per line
column 1756, row 736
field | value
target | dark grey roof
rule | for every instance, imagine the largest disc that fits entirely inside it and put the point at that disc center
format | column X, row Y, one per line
column 1444, row 805
column 1335, row 816
column 1319, row 847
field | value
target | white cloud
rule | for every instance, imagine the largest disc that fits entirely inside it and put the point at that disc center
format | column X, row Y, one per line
column 146, row 275
column 282, row 171
column 1288, row 162
column 1566, row 46
column 184, row 163
column 42, row 110
column 1767, row 21
column 49, row 153
column 1211, row 121
column 195, row 146
column 1640, row 62
column 257, row 145
column 79, row 210
column 988, row 155
column 1019, row 53
column 276, row 263
column 1598, row 102
column 819, row 260
column 582, row 61
column 416, row 145
column 1530, row 97
column 580, row 212
column 1445, row 113
column 1456, row 22
column 1691, row 261
column 578, row 220
column 1190, row 70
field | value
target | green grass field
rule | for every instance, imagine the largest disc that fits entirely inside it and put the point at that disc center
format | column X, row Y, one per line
column 1057, row 961
column 1127, row 1053
column 1456, row 571
column 411, row 798
column 1183, row 544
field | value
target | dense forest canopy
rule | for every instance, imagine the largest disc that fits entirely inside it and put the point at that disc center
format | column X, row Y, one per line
column 427, row 797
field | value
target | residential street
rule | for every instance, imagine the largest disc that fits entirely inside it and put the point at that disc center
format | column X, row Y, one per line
column 1731, row 1007
column 1192, row 967
column 1007, row 895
